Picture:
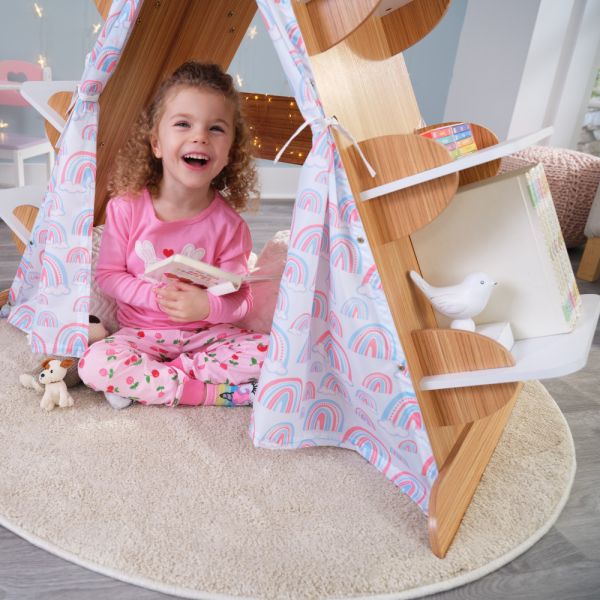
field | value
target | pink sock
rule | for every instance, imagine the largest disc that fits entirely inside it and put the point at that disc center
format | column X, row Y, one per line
column 194, row 393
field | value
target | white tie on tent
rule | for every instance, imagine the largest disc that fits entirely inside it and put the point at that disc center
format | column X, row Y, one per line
column 335, row 373
column 51, row 291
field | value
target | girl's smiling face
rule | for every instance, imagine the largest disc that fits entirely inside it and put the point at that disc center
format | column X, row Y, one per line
column 193, row 139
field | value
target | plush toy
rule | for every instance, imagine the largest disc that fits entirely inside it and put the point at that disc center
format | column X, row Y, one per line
column 30, row 380
column 52, row 376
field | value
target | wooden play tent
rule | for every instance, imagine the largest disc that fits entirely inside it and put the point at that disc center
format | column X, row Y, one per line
column 358, row 69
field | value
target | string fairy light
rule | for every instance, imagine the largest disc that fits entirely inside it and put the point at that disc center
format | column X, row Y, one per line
column 39, row 10
column 3, row 124
column 252, row 32
column 239, row 80
column 42, row 61
column 96, row 28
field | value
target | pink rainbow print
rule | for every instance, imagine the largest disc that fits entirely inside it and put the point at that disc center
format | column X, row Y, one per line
column 107, row 59
column 91, row 87
column 369, row 446
column 296, row 271
column 53, row 206
column 309, row 239
column 56, row 235
column 403, row 411
column 80, row 168
column 82, row 304
column 430, row 469
column 324, row 415
column 325, row 241
column 82, row 277
column 361, row 414
column 89, row 132
column 347, row 210
column 282, row 434
column 83, row 223
column 301, row 324
column 22, row 317
column 335, row 324
column 304, row 354
column 279, row 346
column 331, row 383
column 408, row 446
column 332, row 212
column 320, row 305
column 79, row 255
column 372, row 278
column 410, row 485
column 72, row 340
column 355, row 308
column 47, row 318
column 310, row 392
column 307, row 443
column 345, row 254
column 310, row 200
column 38, row 345
column 366, row 399
column 53, row 274
column 375, row 341
column 40, row 235
column 378, row 382
column 283, row 302
column 282, row 395
column 335, row 354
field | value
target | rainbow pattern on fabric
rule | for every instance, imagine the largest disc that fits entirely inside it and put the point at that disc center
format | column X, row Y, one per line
column 38, row 345
column 363, row 416
column 82, row 277
column 311, row 201
column 107, row 59
column 72, row 339
column 282, row 395
column 53, row 275
column 82, row 304
column 53, row 205
column 331, row 383
column 355, row 308
column 279, row 346
column 375, row 341
column 335, row 354
column 408, row 446
column 301, row 324
column 410, row 485
column 378, row 382
column 324, row 415
column 89, row 133
column 304, row 354
column 366, row 399
column 283, row 303
column 80, row 169
column 310, row 393
column 79, row 255
column 429, row 469
column 22, row 317
column 281, row 434
column 403, row 411
column 335, row 324
column 296, row 271
column 345, row 254
column 372, row 279
column 83, row 223
column 47, row 318
column 320, row 305
column 369, row 446
column 347, row 210
column 309, row 239
column 56, row 235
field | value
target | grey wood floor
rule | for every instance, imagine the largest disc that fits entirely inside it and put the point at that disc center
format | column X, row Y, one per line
column 563, row 565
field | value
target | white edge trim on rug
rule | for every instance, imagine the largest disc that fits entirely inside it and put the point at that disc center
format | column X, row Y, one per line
column 419, row 592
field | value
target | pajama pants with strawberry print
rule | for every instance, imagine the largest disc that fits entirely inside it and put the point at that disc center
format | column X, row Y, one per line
column 216, row 365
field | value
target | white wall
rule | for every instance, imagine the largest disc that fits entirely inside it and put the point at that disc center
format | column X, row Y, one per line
column 523, row 65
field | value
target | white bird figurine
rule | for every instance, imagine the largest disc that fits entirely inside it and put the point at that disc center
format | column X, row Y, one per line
column 460, row 302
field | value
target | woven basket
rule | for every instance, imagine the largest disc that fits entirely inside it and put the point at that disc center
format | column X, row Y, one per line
column 573, row 178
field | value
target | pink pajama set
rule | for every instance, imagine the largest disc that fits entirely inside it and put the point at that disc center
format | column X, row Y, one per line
column 152, row 359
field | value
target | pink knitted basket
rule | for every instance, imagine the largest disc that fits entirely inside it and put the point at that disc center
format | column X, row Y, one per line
column 573, row 178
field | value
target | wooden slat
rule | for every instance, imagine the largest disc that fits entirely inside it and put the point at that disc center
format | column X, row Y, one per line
column 60, row 102
column 103, row 7
column 589, row 267
column 166, row 34
column 27, row 215
column 460, row 475
column 272, row 121
column 398, row 214
column 324, row 23
column 484, row 138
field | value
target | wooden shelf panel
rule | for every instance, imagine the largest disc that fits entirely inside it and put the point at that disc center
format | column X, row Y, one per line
column 535, row 358
column 477, row 158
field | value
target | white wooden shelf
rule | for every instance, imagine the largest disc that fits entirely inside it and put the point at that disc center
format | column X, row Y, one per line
column 37, row 93
column 536, row 358
column 460, row 164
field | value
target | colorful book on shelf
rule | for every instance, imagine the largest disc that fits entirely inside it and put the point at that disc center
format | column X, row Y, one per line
column 457, row 138
column 189, row 270
column 506, row 226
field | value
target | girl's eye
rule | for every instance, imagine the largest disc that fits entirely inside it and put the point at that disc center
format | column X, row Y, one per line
column 182, row 124
column 217, row 128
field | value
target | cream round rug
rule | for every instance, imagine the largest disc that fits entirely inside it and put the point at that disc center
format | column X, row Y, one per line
column 179, row 501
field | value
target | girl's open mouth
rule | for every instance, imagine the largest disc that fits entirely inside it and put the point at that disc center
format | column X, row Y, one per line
column 195, row 160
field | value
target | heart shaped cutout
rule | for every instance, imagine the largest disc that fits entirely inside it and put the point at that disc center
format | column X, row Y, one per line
column 18, row 77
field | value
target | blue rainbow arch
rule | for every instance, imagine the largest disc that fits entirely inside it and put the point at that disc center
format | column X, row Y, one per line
column 369, row 446
column 403, row 411
column 282, row 395
column 72, row 339
column 281, row 434
column 324, row 415
column 355, row 308
column 375, row 341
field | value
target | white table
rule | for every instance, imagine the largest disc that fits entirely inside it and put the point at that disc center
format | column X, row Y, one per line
column 17, row 148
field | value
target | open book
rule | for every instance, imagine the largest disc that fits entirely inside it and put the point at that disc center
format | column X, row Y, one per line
column 189, row 270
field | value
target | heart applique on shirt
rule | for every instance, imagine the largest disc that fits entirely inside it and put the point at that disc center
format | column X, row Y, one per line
column 168, row 252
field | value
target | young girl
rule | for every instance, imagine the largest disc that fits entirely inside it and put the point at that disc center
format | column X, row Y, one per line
column 179, row 184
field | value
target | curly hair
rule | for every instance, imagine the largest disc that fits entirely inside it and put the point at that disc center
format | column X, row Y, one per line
column 136, row 167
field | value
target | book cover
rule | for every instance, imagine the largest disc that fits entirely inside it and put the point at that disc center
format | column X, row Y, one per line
column 189, row 270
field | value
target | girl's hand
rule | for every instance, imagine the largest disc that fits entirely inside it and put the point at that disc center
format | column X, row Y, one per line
column 183, row 302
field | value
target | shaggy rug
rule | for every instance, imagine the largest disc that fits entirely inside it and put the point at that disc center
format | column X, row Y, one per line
column 179, row 500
